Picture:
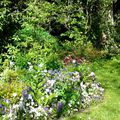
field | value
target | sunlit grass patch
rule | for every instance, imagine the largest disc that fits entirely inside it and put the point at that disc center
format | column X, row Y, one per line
column 108, row 74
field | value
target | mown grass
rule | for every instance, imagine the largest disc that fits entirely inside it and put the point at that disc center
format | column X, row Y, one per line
column 108, row 73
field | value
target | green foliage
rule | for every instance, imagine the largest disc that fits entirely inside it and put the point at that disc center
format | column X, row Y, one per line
column 10, row 20
column 11, row 91
column 74, row 21
column 35, row 38
column 8, row 75
column 33, row 45
column 53, row 62
column 21, row 60
column 4, row 11
column 62, row 20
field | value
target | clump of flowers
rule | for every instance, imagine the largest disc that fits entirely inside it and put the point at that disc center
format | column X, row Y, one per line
column 26, row 108
column 54, row 93
column 72, row 59
column 2, row 109
column 91, row 92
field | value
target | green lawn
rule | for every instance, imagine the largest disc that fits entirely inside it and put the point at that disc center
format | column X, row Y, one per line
column 108, row 73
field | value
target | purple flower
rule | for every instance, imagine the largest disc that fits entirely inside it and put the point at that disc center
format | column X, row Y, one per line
column 0, row 105
column 54, row 105
column 70, row 73
column 51, row 72
column 4, row 110
column 7, row 101
column 25, row 93
column 60, row 106
column 46, row 108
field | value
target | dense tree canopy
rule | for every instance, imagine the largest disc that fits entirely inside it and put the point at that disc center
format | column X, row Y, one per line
column 82, row 20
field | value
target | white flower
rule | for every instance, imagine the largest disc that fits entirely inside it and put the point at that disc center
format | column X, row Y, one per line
column 27, row 104
column 30, row 67
column 75, row 110
column 90, row 93
column 32, row 103
column 68, row 111
column 85, row 94
column 32, row 110
column 31, row 116
column 10, row 113
column 15, row 106
column 42, row 98
column 101, row 89
column 29, row 63
column 47, row 91
column 11, row 63
column 55, row 91
column 78, row 103
column 45, row 117
column 45, row 71
column 7, row 101
column 50, row 110
column 41, row 65
column 21, row 99
column 38, row 114
column 92, row 74
column 82, row 86
column 30, row 97
column 69, row 105
column 14, row 94
column 73, row 61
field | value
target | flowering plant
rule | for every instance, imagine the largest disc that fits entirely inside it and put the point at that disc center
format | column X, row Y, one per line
column 50, row 94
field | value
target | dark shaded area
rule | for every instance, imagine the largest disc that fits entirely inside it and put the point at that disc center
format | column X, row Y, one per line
column 18, row 5
column 116, row 14
column 57, row 29
column 6, row 34
column 95, row 31
column 116, row 7
column 10, row 26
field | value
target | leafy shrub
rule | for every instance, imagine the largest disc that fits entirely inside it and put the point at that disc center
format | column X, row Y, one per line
column 10, row 94
column 8, row 75
column 21, row 60
column 53, row 62
column 32, row 45
column 12, row 91
column 29, row 34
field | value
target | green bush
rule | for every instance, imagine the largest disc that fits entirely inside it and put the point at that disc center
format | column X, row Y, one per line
column 53, row 62
column 21, row 60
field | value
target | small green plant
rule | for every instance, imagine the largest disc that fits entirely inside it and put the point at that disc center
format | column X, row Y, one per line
column 9, row 75
column 21, row 60
column 53, row 62
column 11, row 91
